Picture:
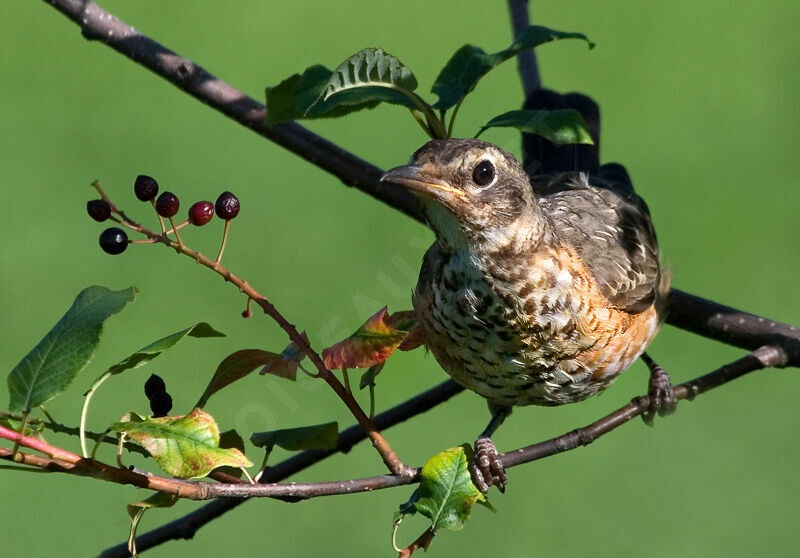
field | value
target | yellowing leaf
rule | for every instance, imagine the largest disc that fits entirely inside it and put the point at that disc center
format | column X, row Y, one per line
column 185, row 447
column 372, row 344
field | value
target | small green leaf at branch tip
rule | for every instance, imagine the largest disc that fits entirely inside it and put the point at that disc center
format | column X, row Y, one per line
column 470, row 63
column 318, row 436
column 371, row 344
column 563, row 126
column 370, row 75
column 292, row 98
column 185, row 446
column 137, row 509
column 446, row 492
column 235, row 367
column 67, row 348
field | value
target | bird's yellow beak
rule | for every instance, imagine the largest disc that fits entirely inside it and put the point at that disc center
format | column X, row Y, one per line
column 416, row 178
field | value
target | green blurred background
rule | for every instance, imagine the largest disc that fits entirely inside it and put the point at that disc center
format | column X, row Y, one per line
column 700, row 101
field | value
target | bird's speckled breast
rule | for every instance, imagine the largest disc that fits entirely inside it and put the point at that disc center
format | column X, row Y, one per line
column 535, row 333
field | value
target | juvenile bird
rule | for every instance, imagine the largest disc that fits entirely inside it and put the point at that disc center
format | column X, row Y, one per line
column 535, row 292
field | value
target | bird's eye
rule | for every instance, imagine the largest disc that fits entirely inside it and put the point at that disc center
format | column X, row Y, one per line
column 483, row 173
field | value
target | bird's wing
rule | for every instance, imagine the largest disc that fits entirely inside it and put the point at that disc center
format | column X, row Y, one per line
column 609, row 226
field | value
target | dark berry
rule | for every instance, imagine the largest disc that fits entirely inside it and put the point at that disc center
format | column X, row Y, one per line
column 154, row 384
column 99, row 210
column 161, row 404
column 201, row 213
column 227, row 206
column 247, row 313
column 145, row 187
column 113, row 241
column 167, row 204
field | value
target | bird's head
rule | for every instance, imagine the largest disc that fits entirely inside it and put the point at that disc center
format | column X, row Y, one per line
column 471, row 192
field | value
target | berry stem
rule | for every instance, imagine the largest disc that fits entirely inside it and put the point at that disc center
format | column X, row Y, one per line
column 224, row 240
column 174, row 229
column 160, row 219
column 180, row 226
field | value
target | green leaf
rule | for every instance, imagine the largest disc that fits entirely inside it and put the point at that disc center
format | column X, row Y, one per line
column 446, row 493
column 231, row 439
column 184, row 447
column 470, row 63
column 371, row 344
column 291, row 98
column 54, row 363
column 151, row 351
column 369, row 76
column 319, row 436
column 562, row 126
column 235, row 367
column 368, row 377
column 137, row 509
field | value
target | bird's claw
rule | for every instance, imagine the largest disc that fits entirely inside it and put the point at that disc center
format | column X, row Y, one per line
column 486, row 467
column 660, row 392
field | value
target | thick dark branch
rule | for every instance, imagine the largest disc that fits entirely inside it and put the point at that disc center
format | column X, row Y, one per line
column 689, row 312
column 526, row 60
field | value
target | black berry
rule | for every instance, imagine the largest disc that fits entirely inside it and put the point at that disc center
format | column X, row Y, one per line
column 227, row 206
column 145, row 187
column 113, row 241
column 167, row 204
column 154, row 384
column 161, row 404
column 201, row 213
column 99, row 210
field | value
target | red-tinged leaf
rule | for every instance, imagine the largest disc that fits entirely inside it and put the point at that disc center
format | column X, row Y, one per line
column 286, row 365
column 235, row 367
column 407, row 321
column 184, row 447
column 372, row 344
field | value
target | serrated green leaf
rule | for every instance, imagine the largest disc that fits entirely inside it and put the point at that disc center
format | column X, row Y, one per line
column 564, row 126
column 446, row 493
column 137, row 509
column 291, row 98
column 184, row 447
column 470, row 63
column 318, row 436
column 67, row 348
column 369, row 76
column 235, row 367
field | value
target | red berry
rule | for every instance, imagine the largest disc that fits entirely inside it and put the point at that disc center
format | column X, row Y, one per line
column 201, row 213
column 145, row 187
column 113, row 241
column 167, row 204
column 99, row 210
column 227, row 206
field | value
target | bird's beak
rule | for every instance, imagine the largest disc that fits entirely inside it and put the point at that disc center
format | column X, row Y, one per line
column 417, row 178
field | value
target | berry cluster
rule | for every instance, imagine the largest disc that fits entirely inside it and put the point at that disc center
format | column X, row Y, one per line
column 114, row 240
